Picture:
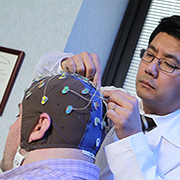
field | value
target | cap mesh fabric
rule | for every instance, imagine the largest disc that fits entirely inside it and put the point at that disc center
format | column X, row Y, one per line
column 74, row 130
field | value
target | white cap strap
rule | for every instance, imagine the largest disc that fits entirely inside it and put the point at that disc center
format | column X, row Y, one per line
column 18, row 159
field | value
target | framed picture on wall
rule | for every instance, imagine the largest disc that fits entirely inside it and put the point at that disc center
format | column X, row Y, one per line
column 10, row 63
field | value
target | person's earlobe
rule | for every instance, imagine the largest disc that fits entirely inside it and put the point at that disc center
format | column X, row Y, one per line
column 40, row 128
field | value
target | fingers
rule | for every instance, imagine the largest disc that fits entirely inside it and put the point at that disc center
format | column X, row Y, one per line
column 117, row 113
column 68, row 65
column 97, row 76
column 126, row 104
column 119, row 97
column 85, row 64
column 89, row 65
column 80, row 68
column 74, row 64
column 123, row 110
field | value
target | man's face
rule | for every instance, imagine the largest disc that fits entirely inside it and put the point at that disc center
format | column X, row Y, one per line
column 160, row 90
column 12, row 143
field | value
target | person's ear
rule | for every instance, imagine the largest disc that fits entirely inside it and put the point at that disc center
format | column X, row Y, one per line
column 40, row 128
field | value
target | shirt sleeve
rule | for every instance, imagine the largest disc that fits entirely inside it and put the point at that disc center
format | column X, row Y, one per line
column 131, row 158
column 50, row 64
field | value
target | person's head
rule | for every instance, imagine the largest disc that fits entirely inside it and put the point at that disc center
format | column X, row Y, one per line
column 61, row 111
column 158, row 79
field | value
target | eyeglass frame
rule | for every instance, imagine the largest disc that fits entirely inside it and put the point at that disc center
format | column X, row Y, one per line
column 159, row 59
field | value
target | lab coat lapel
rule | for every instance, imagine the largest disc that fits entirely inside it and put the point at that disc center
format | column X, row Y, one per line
column 164, row 141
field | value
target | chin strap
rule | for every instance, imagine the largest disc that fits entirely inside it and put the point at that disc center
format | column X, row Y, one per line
column 18, row 159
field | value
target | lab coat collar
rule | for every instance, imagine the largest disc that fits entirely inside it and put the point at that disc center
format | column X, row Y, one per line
column 169, row 130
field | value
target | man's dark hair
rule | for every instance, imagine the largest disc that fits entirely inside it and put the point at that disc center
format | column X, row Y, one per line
column 169, row 25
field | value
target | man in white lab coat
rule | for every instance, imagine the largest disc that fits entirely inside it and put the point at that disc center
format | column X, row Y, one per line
column 130, row 152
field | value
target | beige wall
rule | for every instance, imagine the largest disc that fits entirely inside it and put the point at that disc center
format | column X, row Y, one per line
column 35, row 27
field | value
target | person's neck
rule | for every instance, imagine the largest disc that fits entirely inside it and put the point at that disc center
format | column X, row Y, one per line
column 56, row 153
column 160, row 110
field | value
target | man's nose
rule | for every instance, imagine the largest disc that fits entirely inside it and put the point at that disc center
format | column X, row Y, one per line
column 153, row 68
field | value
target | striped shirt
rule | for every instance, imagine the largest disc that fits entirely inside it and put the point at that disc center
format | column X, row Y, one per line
column 63, row 169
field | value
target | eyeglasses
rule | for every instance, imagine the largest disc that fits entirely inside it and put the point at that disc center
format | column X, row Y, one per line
column 163, row 64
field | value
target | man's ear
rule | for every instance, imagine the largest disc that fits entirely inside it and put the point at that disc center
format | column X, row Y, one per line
column 40, row 128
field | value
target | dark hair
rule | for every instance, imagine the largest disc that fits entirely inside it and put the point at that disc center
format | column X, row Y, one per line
column 169, row 25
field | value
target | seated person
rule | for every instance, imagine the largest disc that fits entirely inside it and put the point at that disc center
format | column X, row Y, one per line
column 60, row 128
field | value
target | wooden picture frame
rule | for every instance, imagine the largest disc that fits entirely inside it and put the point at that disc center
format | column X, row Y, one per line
column 10, row 63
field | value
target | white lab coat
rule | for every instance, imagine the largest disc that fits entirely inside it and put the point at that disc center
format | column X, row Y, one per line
column 153, row 156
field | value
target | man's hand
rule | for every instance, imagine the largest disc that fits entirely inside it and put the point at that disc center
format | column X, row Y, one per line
column 123, row 110
column 85, row 64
